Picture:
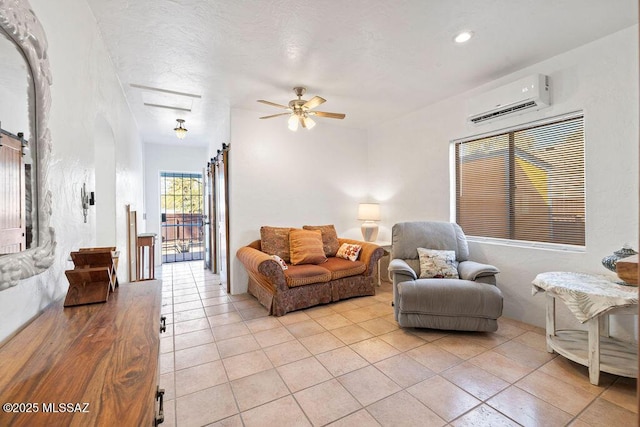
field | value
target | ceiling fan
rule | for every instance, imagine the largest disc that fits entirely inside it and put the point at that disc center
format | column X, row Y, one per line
column 300, row 110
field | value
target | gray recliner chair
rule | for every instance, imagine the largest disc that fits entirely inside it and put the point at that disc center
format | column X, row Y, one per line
column 471, row 302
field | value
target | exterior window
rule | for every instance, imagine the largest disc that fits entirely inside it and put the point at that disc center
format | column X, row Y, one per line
column 527, row 184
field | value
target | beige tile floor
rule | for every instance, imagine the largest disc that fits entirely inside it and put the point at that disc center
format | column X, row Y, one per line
column 224, row 362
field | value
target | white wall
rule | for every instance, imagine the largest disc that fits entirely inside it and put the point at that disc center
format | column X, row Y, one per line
column 283, row 178
column 166, row 158
column 84, row 87
column 600, row 78
column 221, row 132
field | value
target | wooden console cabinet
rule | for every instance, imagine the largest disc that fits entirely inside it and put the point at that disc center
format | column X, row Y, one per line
column 88, row 365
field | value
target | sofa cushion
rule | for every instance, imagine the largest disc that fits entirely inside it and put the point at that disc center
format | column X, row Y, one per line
column 340, row 268
column 275, row 241
column 305, row 247
column 305, row 274
column 349, row 251
column 439, row 264
column 329, row 238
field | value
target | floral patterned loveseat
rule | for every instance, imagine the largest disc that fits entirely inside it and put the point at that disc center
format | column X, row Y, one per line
column 290, row 268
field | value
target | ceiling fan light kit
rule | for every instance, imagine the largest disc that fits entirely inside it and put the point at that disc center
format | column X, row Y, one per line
column 293, row 122
column 299, row 110
column 307, row 122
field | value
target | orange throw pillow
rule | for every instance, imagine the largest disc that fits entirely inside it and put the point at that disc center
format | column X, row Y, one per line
column 306, row 247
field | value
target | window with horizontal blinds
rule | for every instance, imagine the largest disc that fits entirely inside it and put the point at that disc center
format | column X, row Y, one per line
column 526, row 184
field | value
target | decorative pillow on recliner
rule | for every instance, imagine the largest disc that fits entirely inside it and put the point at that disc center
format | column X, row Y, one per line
column 438, row 264
column 305, row 247
column 329, row 238
column 348, row 251
column 275, row 241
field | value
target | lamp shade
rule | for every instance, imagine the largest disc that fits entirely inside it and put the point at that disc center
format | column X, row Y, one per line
column 369, row 212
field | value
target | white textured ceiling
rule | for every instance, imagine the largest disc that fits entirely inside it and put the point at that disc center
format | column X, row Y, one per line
column 371, row 59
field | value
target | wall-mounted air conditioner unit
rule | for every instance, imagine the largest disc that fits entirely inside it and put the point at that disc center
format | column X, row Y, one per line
column 527, row 94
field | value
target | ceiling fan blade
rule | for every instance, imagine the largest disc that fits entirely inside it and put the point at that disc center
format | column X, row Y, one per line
column 329, row 115
column 275, row 115
column 314, row 102
column 303, row 122
column 273, row 104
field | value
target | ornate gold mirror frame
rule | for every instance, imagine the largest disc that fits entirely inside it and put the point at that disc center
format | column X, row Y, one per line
column 20, row 23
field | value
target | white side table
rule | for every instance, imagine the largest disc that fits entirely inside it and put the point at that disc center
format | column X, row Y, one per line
column 591, row 299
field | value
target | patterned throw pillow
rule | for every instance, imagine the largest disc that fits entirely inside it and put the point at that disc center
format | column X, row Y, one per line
column 280, row 261
column 275, row 241
column 305, row 247
column 349, row 251
column 329, row 238
column 438, row 264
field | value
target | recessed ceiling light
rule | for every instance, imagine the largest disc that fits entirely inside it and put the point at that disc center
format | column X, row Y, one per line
column 464, row 36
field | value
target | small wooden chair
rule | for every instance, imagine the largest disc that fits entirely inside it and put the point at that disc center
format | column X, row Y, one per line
column 87, row 286
column 98, row 261
column 93, row 277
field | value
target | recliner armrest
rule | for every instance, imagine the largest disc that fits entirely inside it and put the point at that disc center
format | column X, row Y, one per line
column 471, row 270
column 400, row 266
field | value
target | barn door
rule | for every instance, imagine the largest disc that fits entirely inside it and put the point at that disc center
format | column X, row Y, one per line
column 13, row 233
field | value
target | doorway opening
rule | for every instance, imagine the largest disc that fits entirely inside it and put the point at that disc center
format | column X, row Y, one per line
column 181, row 210
column 105, row 182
